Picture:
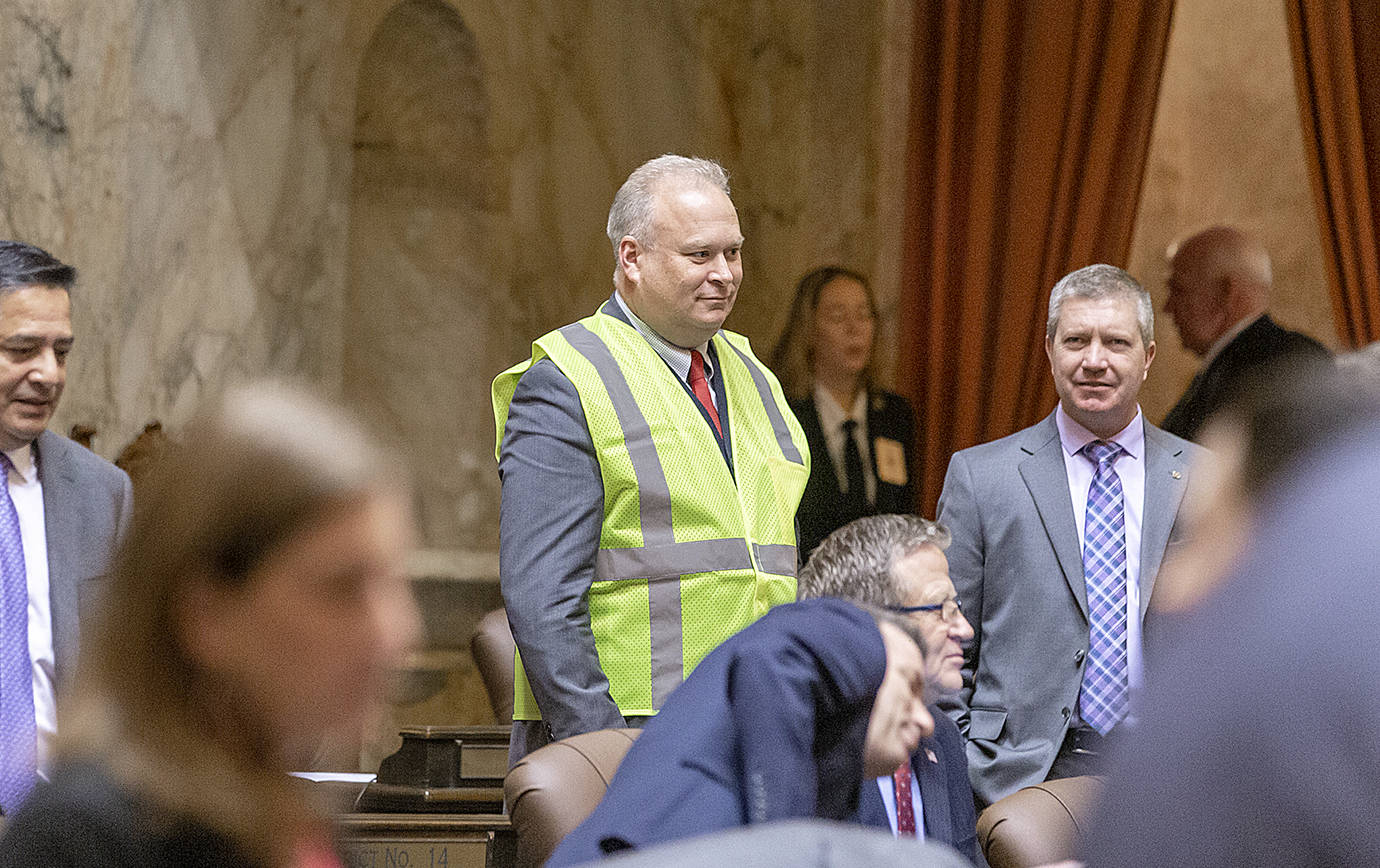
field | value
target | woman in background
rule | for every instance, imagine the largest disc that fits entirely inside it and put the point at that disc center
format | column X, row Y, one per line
column 259, row 601
column 862, row 438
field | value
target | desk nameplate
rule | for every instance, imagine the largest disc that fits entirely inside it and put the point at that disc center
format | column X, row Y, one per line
column 428, row 841
column 469, row 851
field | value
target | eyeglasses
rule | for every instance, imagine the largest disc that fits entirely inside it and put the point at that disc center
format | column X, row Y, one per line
column 948, row 610
column 845, row 317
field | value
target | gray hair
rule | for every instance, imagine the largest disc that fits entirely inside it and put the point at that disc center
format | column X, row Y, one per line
column 857, row 562
column 1102, row 281
column 23, row 265
column 631, row 213
column 901, row 622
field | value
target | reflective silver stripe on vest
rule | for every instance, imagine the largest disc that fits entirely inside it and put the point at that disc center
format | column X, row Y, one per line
column 654, row 507
column 674, row 560
column 776, row 559
column 778, row 422
column 653, row 492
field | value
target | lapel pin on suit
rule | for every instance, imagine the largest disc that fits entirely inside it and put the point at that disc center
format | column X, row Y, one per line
column 1176, row 474
column 929, row 755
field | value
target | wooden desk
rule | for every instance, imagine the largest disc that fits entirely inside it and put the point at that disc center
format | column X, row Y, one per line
column 427, row 840
column 443, row 794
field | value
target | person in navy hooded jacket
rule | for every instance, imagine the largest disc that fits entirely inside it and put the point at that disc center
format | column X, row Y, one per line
column 782, row 721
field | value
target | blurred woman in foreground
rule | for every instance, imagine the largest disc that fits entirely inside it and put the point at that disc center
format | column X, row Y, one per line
column 259, row 600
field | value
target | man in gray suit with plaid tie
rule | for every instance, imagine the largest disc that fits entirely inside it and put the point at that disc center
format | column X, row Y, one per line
column 1058, row 532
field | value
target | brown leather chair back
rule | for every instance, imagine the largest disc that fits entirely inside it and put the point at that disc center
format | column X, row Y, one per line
column 492, row 647
column 552, row 790
column 1038, row 825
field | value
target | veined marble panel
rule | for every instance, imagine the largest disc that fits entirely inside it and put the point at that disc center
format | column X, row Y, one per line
column 203, row 164
column 561, row 101
column 181, row 156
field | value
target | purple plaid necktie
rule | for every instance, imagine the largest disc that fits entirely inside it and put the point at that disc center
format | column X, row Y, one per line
column 1105, row 691
column 18, row 737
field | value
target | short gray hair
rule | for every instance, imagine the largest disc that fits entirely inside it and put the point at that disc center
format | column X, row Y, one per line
column 857, row 562
column 901, row 622
column 631, row 213
column 1102, row 281
column 24, row 265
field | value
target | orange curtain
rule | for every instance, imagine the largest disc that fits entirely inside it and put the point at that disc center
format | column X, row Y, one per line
column 1029, row 126
column 1336, row 47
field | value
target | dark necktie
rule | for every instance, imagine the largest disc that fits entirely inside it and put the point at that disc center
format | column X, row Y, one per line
column 905, row 806
column 700, row 387
column 1105, row 687
column 18, row 737
column 855, row 498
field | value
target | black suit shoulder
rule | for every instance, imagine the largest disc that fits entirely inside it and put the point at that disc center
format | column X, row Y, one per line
column 1263, row 351
column 84, row 819
column 1265, row 341
column 891, row 414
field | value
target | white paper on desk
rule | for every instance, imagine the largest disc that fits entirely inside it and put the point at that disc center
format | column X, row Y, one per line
column 344, row 777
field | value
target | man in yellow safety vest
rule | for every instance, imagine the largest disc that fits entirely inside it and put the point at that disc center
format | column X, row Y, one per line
column 651, row 470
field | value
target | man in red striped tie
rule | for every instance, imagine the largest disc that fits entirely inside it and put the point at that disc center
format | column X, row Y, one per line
column 651, row 471
column 897, row 562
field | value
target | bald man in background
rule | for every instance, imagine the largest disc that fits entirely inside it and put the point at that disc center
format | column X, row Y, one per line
column 1219, row 290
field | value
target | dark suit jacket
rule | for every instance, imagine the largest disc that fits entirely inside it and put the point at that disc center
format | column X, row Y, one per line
column 1263, row 348
column 84, row 818
column 770, row 726
column 822, row 507
column 946, row 796
column 86, row 506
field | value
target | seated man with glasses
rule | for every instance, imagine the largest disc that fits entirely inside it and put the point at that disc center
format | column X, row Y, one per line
column 897, row 562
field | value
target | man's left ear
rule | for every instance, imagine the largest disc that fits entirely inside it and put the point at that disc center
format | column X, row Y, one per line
column 1149, row 357
column 630, row 257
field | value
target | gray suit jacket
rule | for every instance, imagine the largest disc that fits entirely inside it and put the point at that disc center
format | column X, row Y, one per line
column 1017, row 564
column 86, row 506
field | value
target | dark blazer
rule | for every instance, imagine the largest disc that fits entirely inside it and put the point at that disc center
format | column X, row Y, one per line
column 822, row 508
column 86, row 506
column 770, row 726
column 83, row 818
column 946, row 796
column 1263, row 348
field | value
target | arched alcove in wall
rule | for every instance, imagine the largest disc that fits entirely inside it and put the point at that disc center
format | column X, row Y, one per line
column 425, row 204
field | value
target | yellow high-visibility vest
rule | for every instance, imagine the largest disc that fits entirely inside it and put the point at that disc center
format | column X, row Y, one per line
column 687, row 555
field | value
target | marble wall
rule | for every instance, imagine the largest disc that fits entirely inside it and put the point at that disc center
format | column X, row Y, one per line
column 189, row 169
column 392, row 199
column 522, row 118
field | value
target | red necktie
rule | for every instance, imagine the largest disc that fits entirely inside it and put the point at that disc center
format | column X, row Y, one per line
column 701, row 389
column 905, row 808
